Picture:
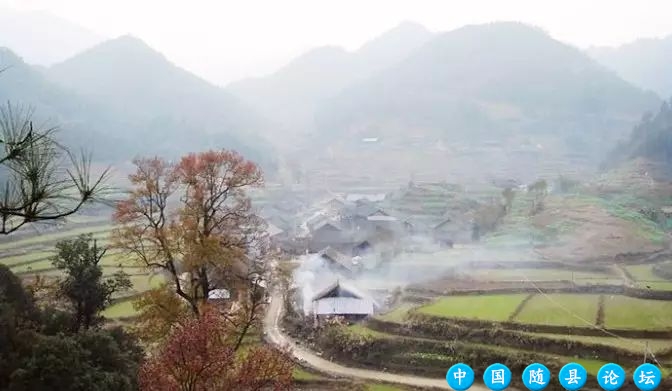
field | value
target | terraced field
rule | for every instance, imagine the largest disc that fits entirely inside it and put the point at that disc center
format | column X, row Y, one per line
column 629, row 344
column 485, row 307
column 576, row 310
column 42, row 240
column 560, row 310
column 544, row 274
column 31, row 255
column 630, row 313
column 646, row 279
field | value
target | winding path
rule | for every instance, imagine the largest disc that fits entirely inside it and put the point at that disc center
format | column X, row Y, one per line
column 310, row 359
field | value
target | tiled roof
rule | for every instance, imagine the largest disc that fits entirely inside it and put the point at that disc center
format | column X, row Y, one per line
column 339, row 258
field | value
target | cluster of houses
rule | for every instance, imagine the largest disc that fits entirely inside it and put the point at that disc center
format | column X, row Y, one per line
column 354, row 236
column 351, row 236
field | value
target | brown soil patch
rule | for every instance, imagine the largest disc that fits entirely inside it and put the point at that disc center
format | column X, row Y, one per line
column 591, row 233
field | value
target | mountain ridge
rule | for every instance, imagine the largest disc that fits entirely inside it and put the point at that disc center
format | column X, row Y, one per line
column 645, row 62
column 290, row 95
column 124, row 99
column 453, row 79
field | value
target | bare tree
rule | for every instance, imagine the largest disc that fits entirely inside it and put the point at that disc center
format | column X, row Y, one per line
column 41, row 179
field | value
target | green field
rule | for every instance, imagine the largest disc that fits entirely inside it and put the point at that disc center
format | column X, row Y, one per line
column 37, row 266
column 31, row 255
column 633, row 345
column 560, row 309
column 142, row 283
column 365, row 331
column 115, row 258
column 121, row 309
column 97, row 231
column 485, row 307
column 398, row 314
column 592, row 366
column 630, row 313
column 41, row 261
column 646, row 279
column 24, row 258
column 540, row 274
column 301, row 374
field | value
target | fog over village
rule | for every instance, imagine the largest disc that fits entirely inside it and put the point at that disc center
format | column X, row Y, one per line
column 356, row 196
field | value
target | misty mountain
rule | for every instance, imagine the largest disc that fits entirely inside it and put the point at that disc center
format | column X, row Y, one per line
column 486, row 82
column 290, row 95
column 644, row 62
column 148, row 124
column 26, row 88
column 43, row 38
column 161, row 104
column 651, row 139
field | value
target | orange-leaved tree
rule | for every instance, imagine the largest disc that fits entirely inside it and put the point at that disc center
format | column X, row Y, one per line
column 198, row 356
column 193, row 221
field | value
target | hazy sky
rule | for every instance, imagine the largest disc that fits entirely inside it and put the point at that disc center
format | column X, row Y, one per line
column 224, row 40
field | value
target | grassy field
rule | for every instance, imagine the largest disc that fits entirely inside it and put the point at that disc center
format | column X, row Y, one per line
column 633, row 345
column 145, row 282
column 25, row 258
column 121, row 309
column 36, row 266
column 398, row 314
column 486, row 307
column 31, row 255
column 97, row 231
column 592, row 366
column 301, row 374
column 555, row 310
column 365, row 331
column 540, row 274
column 644, row 278
column 630, row 313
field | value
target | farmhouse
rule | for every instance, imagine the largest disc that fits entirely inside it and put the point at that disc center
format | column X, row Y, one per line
column 339, row 262
column 329, row 233
column 444, row 233
column 333, row 206
column 344, row 301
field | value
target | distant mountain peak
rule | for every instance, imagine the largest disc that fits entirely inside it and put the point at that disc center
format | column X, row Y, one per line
column 645, row 62
column 400, row 39
column 8, row 57
column 123, row 45
column 11, row 62
column 289, row 95
column 508, row 28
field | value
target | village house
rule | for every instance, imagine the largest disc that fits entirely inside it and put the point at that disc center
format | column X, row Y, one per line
column 340, row 300
column 339, row 262
column 333, row 207
column 330, row 233
column 444, row 233
column 357, row 216
column 361, row 229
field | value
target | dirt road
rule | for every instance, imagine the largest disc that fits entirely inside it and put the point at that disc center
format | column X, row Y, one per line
column 275, row 336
